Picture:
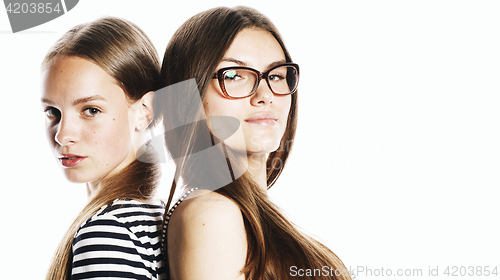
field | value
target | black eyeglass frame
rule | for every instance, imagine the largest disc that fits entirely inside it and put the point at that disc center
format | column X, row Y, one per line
column 220, row 77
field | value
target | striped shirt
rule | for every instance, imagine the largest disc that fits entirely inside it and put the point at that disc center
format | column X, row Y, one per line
column 121, row 240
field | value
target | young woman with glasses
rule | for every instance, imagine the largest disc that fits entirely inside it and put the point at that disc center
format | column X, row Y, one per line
column 97, row 92
column 230, row 143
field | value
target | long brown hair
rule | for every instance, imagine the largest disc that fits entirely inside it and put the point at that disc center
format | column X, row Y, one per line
column 125, row 52
column 195, row 50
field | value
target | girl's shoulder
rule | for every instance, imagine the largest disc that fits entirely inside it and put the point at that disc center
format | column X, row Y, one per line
column 123, row 208
column 207, row 235
column 125, row 232
column 207, row 211
column 123, row 219
column 128, row 213
column 207, row 204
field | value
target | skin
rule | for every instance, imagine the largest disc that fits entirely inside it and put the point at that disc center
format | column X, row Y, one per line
column 206, row 233
column 89, row 115
column 258, row 49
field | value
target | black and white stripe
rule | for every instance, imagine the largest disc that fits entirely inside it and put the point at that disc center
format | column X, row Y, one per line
column 121, row 240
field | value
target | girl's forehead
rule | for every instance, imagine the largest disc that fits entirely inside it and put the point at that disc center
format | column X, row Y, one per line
column 74, row 80
column 254, row 47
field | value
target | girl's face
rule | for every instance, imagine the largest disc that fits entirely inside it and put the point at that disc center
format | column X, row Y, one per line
column 263, row 116
column 87, row 120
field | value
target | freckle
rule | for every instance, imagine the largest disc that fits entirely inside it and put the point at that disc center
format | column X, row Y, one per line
column 94, row 132
column 113, row 119
column 203, row 224
column 96, row 142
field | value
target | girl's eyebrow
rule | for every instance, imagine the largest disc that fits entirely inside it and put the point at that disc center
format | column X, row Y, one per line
column 78, row 101
column 242, row 63
column 88, row 99
column 239, row 62
column 46, row 101
column 276, row 63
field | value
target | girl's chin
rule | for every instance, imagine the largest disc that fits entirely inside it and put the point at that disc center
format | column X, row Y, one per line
column 252, row 150
column 78, row 178
column 265, row 148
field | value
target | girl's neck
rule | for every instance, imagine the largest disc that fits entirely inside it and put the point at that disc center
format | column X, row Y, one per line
column 92, row 187
column 257, row 168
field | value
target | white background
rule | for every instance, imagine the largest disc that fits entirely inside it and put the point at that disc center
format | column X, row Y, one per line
column 397, row 157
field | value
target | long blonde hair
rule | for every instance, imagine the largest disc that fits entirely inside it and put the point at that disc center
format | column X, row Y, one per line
column 125, row 52
column 195, row 50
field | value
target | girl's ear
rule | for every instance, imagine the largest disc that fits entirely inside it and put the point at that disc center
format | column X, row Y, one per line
column 145, row 110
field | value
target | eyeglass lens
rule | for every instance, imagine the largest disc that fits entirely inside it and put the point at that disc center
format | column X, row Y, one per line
column 243, row 82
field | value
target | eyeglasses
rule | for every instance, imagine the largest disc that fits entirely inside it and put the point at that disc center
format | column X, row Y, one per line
column 240, row 82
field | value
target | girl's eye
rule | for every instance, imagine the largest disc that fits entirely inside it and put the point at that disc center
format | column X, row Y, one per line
column 232, row 76
column 276, row 77
column 91, row 112
column 52, row 112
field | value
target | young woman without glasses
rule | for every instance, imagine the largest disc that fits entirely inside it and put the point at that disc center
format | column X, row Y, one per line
column 97, row 92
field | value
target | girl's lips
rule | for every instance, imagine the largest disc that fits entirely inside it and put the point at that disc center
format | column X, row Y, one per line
column 68, row 160
column 265, row 118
